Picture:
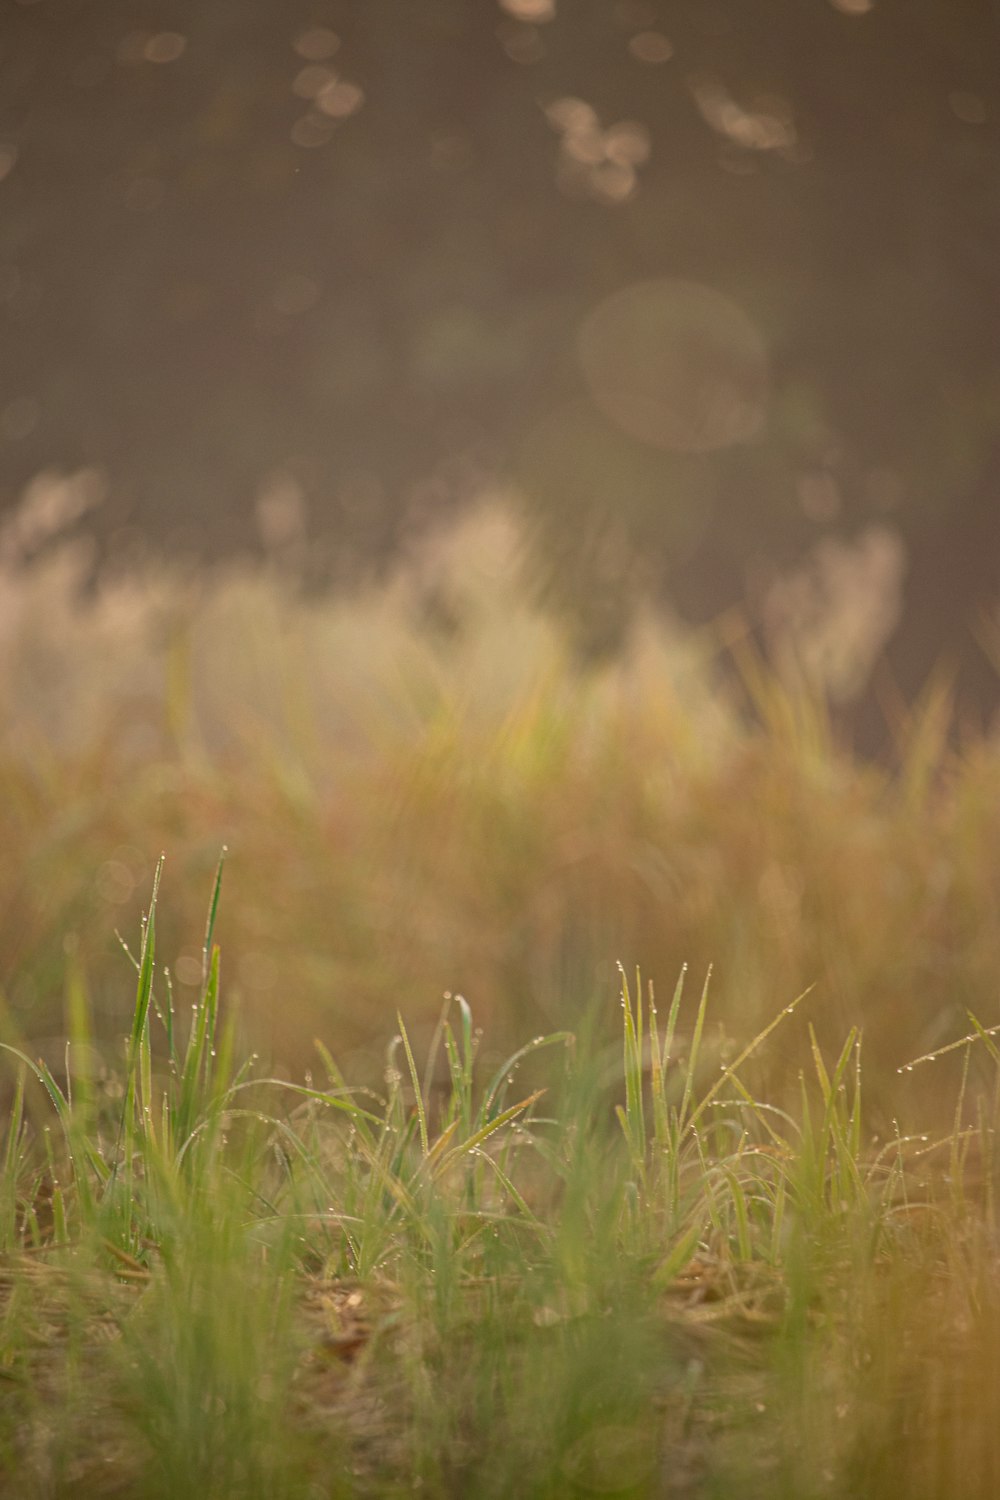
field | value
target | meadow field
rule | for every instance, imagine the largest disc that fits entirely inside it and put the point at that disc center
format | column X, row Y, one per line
column 414, row 1166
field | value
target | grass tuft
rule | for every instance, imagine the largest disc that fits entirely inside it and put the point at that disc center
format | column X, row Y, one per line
column 214, row 1282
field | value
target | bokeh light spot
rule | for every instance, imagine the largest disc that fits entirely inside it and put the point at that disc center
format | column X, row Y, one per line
column 651, row 47
column 766, row 125
column 338, row 99
column 534, row 11
column 522, row 44
column 593, row 160
column 317, row 43
column 165, row 47
column 312, row 130
column 309, row 80
column 676, row 364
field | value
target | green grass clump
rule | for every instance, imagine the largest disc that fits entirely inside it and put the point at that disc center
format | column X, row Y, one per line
column 578, row 1271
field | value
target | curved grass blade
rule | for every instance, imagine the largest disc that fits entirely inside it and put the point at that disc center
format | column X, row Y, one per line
column 502, row 1073
column 477, row 1138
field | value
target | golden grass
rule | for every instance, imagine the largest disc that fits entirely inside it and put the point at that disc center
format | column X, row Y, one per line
column 422, row 788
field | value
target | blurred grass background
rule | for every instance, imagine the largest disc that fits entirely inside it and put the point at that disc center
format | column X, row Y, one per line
column 423, row 787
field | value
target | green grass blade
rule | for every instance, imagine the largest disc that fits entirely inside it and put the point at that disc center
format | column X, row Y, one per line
column 729, row 1073
column 483, row 1134
column 415, row 1081
column 632, row 1065
column 699, row 1026
column 504, row 1073
column 147, row 959
column 213, row 910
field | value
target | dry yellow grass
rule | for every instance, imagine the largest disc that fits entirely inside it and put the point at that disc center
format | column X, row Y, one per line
column 422, row 788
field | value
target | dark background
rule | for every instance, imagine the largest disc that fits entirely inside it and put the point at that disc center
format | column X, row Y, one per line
column 223, row 276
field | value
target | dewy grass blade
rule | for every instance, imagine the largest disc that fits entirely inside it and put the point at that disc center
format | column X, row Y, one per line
column 543, row 1230
column 168, row 1018
column 45, row 1078
column 673, row 1014
column 415, row 1081
column 441, row 1145
column 146, row 1086
column 479, row 1136
column 855, row 1121
column 504, row 1073
column 347, row 1106
column 140, row 1016
column 818, row 1063
column 15, row 1120
column 211, row 1007
column 986, row 1037
column 334, row 1074
column 137, row 1057
column 80, row 1038
column 197, row 1072
column 683, row 1122
column 657, row 1082
column 430, row 1062
column 147, row 959
column 632, row 1063
column 729, row 1073
column 213, row 909
column 980, row 1034
column 468, row 1043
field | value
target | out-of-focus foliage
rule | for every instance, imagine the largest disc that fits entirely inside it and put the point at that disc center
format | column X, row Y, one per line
column 421, row 788
column 351, row 245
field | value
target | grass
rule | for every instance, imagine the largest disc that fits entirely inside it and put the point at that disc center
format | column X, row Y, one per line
column 425, row 789
column 622, row 1275
column 531, row 1243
